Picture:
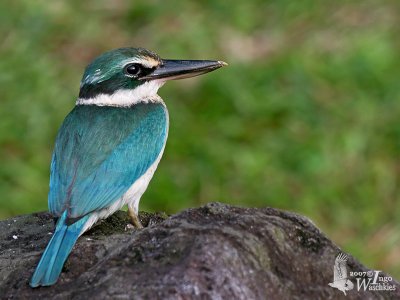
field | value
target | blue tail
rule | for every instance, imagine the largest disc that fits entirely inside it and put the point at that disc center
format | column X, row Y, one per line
column 57, row 251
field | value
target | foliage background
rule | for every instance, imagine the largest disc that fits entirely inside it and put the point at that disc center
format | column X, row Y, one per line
column 306, row 117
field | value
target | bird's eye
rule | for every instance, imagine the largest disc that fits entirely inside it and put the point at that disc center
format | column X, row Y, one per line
column 133, row 70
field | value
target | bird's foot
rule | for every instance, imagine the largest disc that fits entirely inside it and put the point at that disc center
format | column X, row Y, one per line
column 134, row 218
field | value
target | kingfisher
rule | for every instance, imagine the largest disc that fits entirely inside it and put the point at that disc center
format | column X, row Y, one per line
column 109, row 146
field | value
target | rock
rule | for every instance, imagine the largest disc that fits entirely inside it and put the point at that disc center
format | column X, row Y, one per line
column 213, row 252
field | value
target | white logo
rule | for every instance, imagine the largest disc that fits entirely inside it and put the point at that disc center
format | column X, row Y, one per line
column 366, row 280
column 341, row 280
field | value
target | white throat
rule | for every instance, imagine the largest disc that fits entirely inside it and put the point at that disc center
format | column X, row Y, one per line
column 147, row 92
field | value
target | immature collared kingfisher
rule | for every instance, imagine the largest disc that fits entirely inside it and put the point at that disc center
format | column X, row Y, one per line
column 109, row 146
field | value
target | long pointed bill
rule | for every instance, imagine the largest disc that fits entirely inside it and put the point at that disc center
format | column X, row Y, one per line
column 179, row 69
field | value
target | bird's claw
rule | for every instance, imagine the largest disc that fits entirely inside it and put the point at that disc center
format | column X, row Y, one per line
column 134, row 219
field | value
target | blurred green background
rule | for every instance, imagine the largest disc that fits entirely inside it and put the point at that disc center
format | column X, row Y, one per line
column 305, row 118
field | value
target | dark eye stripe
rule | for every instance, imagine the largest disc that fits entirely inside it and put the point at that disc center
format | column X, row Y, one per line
column 136, row 70
column 133, row 70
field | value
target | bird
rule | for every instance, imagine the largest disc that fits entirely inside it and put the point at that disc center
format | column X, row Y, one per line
column 340, row 277
column 108, row 147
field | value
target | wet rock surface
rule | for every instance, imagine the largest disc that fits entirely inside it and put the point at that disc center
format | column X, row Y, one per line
column 212, row 252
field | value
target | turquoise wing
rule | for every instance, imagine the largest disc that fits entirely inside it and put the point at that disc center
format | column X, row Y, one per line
column 100, row 152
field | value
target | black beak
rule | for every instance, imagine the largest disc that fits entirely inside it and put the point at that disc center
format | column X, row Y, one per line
column 177, row 69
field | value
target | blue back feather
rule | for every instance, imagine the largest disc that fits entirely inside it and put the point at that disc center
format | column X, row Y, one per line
column 100, row 152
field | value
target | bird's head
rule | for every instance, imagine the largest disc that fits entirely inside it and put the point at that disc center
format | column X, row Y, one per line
column 126, row 76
